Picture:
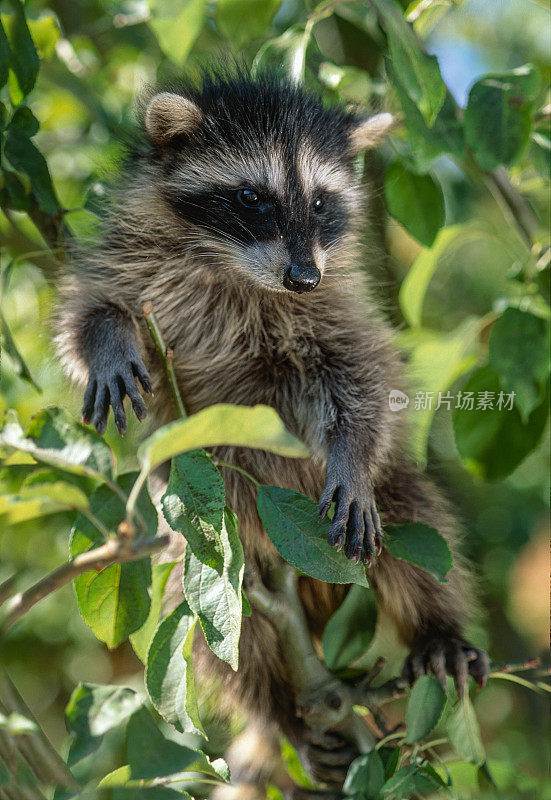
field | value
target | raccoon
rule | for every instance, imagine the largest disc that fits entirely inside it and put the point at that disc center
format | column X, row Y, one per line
column 238, row 215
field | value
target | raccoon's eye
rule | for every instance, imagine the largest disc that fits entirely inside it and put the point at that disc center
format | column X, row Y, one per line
column 318, row 205
column 248, row 197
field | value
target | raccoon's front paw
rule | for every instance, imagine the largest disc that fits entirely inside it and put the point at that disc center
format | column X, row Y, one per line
column 443, row 656
column 356, row 524
column 108, row 384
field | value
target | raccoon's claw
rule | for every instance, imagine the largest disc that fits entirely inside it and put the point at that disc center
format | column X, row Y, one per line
column 447, row 656
column 108, row 387
column 356, row 521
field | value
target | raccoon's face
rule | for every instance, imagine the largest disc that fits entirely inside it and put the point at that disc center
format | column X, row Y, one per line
column 261, row 175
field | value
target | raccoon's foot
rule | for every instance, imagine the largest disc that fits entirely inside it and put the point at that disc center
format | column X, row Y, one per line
column 356, row 524
column 443, row 656
column 110, row 380
column 328, row 758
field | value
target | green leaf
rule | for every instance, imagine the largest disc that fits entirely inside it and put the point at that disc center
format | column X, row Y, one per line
column 425, row 705
column 519, row 353
column 421, row 545
column 25, row 157
column 365, row 776
column 151, row 756
column 498, row 116
column 41, row 493
column 291, row 521
column 53, row 437
column 224, row 424
column 293, row 765
column 17, row 359
column 141, row 639
column 19, row 190
column 230, row 14
column 177, row 26
column 24, row 121
column 416, row 201
column 93, row 710
column 169, row 675
column 419, row 72
column 349, row 631
column 352, row 84
column 495, row 440
column 24, row 60
column 437, row 361
column 390, row 757
column 193, row 505
column 464, row 733
column 215, row 594
column 410, row 780
column 415, row 284
column 5, row 56
column 444, row 136
column 114, row 602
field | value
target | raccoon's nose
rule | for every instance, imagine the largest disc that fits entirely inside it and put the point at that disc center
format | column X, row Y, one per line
column 301, row 278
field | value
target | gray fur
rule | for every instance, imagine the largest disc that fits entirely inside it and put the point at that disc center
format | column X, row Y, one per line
column 324, row 360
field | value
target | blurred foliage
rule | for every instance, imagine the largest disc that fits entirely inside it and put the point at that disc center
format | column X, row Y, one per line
column 462, row 267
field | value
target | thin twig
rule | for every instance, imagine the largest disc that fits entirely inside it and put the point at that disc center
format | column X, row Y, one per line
column 166, row 355
column 118, row 550
column 323, row 701
column 6, row 587
column 516, row 666
column 41, row 755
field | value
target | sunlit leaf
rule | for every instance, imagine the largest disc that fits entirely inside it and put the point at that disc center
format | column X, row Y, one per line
column 437, row 361
column 415, row 284
column 230, row 14
column 114, row 602
column 169, row 675
column 177, row 26
column 419, row 72
column 194, row 503
column 55, row 438
column 214, row 593
column 241, row 426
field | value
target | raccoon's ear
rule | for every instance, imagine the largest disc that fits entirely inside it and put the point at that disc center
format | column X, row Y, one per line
column 168, row 115
column 371, row 132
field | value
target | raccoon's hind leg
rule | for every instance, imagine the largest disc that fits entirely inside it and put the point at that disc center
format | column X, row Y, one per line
column 429, row 615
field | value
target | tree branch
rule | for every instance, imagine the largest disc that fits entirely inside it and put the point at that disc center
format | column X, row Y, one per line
column 324, row 702
column 118, row 550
